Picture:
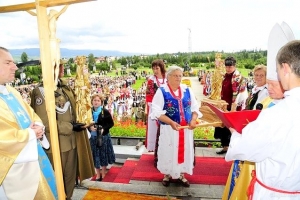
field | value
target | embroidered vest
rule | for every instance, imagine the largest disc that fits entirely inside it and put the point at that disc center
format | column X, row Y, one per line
column 171, row 106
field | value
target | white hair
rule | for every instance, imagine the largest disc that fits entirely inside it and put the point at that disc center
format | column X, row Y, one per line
column 173, row 68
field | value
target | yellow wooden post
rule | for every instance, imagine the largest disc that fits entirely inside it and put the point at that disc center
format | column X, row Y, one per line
column 48, row 75
column 48, row 81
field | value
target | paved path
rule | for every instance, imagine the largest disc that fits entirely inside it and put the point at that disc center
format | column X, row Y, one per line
column 195, row 192
column 197, row 88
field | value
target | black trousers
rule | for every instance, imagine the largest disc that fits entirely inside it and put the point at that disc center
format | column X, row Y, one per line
column 223, row 134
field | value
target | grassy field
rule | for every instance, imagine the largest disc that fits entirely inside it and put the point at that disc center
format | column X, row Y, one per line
column 244, row 72
column 113, row 73
column 138, row 84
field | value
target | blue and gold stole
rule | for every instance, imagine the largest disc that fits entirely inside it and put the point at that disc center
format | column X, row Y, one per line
column 24, row 122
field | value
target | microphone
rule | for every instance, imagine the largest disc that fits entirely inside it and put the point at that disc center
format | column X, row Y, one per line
column 259, row 106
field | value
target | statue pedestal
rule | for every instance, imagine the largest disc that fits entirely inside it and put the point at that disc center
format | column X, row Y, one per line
column 208, row 115
column 218, row 103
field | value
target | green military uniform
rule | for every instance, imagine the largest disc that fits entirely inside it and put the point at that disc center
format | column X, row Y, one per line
column 74, row 146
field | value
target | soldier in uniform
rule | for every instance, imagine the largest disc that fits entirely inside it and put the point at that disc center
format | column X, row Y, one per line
column 76, row 157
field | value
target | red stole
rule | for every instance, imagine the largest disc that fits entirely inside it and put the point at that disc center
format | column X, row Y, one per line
column 183, row 122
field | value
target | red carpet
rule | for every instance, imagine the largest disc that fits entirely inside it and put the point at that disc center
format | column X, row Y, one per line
column 112, row 174
column 124, row 175
column 208, row 170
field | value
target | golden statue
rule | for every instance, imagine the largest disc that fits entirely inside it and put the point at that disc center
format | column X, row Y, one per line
column 217, row 78
column 215, row 96
column 83, row 92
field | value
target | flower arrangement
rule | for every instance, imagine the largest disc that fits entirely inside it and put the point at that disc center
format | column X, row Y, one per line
column 128, row 128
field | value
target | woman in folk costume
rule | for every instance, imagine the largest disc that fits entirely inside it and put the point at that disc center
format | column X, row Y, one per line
column 26, row 172
column 121, row 110
column 155, row 81
column 241, row 173
column 207, row 83
column 175, row 105
column 234, row 92
column 110, row 107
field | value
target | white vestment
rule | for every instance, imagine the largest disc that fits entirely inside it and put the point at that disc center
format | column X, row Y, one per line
column 272, row 142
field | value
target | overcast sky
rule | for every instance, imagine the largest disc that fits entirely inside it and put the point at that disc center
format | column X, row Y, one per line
column 157, row 26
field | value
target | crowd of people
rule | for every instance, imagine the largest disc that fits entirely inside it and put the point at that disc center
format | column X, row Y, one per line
column 205, row 77
column 265, row 154
column 119, row 97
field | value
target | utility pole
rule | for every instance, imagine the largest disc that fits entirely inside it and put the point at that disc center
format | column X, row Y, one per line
column 190, row 43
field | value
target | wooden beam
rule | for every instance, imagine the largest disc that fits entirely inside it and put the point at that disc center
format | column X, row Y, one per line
column 44, row 3
column 52, row 3
column 48, row 81
column 15, row 8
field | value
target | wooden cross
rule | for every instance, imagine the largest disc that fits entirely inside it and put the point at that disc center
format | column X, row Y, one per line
column 47, row 68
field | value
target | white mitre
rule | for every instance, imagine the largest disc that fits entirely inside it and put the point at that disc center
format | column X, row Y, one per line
column 279, row 36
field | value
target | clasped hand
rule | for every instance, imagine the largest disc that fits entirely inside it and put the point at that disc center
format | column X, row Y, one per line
column 93, row 127
column 175, row 126
column 193, row 124
column 39, row 130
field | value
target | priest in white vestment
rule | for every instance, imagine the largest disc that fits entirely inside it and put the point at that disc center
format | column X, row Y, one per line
column 272, row 140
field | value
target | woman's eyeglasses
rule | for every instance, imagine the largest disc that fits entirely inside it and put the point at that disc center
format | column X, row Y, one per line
column 259, row 75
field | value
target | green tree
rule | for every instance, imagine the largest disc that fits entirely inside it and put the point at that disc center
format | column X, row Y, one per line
column 135, row 66
column 91, row 61
column 123, row 61
column 71, row 60
column 24, row 57
column 102, row 66
column 135, row 59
